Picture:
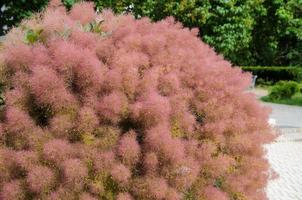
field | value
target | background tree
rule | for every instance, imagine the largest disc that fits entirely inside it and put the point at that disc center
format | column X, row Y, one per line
column 12, row 12
column 278, row 34
column 225, row 25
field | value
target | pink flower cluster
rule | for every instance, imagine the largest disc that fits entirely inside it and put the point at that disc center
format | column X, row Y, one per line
column 102, row 106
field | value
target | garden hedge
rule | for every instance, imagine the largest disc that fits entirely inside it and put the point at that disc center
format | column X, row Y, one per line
column 275, row 73
column 99, row 106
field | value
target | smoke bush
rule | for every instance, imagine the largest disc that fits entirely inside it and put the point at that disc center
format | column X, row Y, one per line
column 99, row 106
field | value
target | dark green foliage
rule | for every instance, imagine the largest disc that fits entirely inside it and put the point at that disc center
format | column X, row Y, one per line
column 69, row 3
column 284, row 90
column 277, row 37
column 17, row 10
column 14, row 11
column 295, row 100
column 275, row 74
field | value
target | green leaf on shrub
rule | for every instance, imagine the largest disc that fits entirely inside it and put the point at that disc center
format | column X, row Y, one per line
column 32, row 36
column 94, row 26
column 190, row 195
column 111, row 188
column 219, row 182
column 88, row 139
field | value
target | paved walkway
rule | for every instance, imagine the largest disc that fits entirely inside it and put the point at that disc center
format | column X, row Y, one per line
column 286, row 116
column 285, row 154
column 285, row 157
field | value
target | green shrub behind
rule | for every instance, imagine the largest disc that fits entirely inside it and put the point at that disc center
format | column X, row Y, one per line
column 284, row 90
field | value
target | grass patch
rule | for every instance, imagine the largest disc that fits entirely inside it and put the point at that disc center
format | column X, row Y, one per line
column 295, row 100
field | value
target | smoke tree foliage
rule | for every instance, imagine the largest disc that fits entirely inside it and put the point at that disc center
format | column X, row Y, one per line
column 99, row 106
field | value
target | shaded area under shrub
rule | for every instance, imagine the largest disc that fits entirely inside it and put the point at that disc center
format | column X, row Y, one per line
column 284, row 90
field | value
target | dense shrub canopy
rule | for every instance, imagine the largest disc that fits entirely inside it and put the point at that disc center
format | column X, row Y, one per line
column 99, row 106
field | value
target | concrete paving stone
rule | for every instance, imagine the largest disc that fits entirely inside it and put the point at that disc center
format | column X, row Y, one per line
column 285, row 154
column 285, row 157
